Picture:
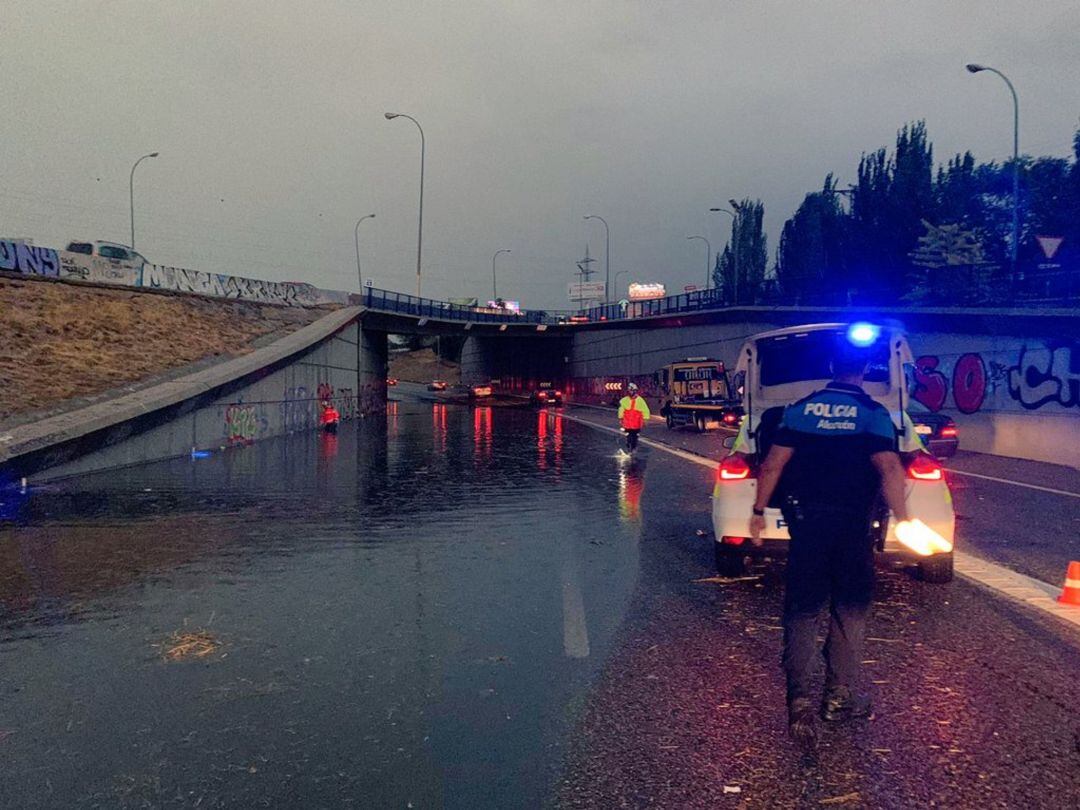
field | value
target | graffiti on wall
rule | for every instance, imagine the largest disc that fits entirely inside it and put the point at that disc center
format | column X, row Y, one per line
column 1038, row 377
column 242, row 424
column 296, row 410
column 23, row 258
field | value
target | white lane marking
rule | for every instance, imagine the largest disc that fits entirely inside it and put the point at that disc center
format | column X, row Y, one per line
column 1051, row 490
column 1001, row 580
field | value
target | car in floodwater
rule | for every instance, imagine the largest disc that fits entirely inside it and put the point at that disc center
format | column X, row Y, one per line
column 937, row 430
column 437, row 385
column 480, row 391
column 780, row 367
column 546, row 394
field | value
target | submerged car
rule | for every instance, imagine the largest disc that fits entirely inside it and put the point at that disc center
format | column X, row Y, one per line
column 780, row 367
column 937, row 431
column 437, row 385
column 480, row 391
column 546, row 396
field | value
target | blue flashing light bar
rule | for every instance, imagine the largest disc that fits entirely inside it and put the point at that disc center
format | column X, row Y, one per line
column 863, row 334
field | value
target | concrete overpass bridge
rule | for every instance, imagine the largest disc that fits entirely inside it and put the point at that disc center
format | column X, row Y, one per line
column 1011, row 378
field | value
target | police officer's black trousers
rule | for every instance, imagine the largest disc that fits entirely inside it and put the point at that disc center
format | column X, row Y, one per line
column 631, row 439
column 830, row 563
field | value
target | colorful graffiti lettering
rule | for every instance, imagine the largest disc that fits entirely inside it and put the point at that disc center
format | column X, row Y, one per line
column 20, row 257
column 325, row 392
column 26, row 258
column 931, row 387
column 296, row 410
column 347, row 403
column 242, row 424
column 1041, row 376
column 1053, row 378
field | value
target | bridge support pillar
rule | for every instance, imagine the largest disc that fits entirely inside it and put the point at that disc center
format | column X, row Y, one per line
column 371, row 366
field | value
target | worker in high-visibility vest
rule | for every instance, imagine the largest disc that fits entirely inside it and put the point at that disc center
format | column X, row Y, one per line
column 329, row 418
column 633, row 414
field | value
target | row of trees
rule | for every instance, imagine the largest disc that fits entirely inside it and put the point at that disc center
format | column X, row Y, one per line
column 907, row 232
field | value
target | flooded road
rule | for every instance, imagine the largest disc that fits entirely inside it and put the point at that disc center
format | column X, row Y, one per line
column 404, row 615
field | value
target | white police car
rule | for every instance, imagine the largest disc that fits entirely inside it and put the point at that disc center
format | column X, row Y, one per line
column 779, row 367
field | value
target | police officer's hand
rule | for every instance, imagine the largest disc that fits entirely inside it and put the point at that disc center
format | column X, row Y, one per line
column 757, row 526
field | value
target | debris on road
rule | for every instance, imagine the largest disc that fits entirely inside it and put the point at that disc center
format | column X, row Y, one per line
column 189, row 644
column 845, row 799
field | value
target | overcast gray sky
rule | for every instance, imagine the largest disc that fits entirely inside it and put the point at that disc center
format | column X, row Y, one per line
column 269, row 120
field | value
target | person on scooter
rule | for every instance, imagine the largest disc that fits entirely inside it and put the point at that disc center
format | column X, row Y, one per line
column 633, row 414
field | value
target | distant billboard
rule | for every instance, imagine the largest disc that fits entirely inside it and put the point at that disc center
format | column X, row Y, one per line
column 464, row 302
column 509, row 306
column 643, row 292
column 585, row 290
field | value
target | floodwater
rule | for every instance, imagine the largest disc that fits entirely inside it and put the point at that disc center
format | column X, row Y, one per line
column 408, row 614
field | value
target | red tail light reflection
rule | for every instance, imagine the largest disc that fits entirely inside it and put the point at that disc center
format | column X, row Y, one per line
column 925, row 468
column 949, row 431
column 733, row 468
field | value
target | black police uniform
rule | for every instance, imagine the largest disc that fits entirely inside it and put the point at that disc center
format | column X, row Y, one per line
column 827, row 492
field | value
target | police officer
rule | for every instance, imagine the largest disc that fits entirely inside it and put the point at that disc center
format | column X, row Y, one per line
column 834, row 451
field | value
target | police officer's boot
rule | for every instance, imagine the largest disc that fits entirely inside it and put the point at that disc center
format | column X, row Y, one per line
column 801, row 723
column 840, row 704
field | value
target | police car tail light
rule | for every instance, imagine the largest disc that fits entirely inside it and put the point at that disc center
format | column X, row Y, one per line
column 733, row 468
column 949, row 431
column 925, row 468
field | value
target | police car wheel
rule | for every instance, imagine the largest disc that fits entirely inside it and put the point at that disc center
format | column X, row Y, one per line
column 730, row 560
column 937, row 569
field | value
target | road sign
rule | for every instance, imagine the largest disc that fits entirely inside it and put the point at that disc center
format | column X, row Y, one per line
column 585, row 290
column 690, row 288
column 369, row 283
column 1049, row 244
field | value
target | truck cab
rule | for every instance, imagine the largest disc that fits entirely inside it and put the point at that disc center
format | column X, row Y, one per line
column 697, row 391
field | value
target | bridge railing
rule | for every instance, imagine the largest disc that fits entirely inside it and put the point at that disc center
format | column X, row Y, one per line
column 388, row 300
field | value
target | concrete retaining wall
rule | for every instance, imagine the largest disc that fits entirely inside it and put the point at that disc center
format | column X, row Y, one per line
column 272, row 391
column 1010, row 379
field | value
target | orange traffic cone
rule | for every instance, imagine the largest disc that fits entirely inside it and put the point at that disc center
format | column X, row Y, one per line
column 1071, row 594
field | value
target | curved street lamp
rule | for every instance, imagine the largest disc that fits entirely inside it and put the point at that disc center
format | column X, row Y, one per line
column 620, row 273
column 730, row 214
column 356, row 234
column 708, row 255
column 974, row 68
column 494, row 293
column 420, row 223
column 131, row 193
column 607, row 254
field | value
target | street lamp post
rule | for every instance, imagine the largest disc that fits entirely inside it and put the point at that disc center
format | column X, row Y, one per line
column 131, row 193
column 420, row 221
column 730, row 214
column 708, row 255
column 620, row 273
column 607, row 255
column 494, row 291
column 973, row 68
column 356, row 234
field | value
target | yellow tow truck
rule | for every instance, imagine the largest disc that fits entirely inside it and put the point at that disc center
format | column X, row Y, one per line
column 697, row 391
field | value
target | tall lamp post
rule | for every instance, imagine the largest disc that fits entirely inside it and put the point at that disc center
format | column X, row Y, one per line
column 620, row 273
column 356, row 234
column 131, row 193
column 708, row 255
column 420, row 222
column 973, row 68
column 607, row 255
column 494, row 291
column 730, row 214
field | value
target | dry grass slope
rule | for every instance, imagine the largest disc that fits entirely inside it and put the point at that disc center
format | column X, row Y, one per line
column 59, row 341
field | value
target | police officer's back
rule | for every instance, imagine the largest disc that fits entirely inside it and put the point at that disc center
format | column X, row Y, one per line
column 833, row 452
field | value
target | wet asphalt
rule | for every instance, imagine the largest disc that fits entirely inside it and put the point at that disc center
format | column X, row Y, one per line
column 476, row 607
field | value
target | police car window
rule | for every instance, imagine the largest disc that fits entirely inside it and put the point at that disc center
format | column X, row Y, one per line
column 81, row 247
column 797, row 358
